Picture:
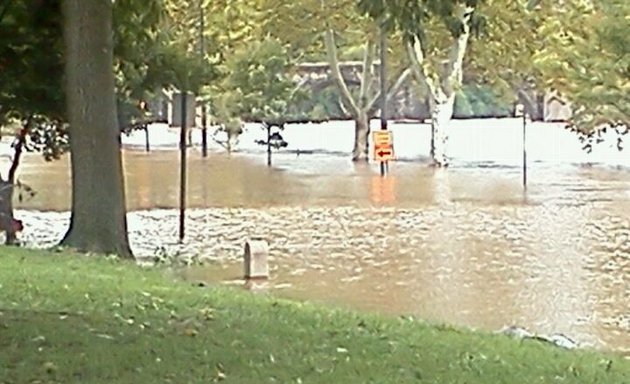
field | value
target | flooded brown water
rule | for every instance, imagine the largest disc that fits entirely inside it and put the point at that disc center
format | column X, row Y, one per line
column 465, row 245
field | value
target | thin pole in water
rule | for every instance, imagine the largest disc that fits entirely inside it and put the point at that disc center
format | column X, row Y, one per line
column 383, row 74
column 268, row 144
column 204, row 112
column 147, row 146
column 524, row 150
column 204, row 130
column 182, row 169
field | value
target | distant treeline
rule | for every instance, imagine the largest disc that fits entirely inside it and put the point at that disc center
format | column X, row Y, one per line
column 322, row 104
column 473, row 101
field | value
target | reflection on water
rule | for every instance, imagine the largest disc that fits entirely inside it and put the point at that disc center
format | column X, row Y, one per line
column 464, row 246
column 383, row 189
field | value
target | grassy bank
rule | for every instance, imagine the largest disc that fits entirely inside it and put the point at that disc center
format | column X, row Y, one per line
column 72, row 319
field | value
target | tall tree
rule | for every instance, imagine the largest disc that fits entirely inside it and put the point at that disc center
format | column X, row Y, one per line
column 587, row 59
column 311, row 25
column 527, row 47
column 364, row 105
column 437, row 35
column 98, row 222
column 503, row 57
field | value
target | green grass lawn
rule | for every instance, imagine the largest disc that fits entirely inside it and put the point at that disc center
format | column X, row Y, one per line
column 66, row 318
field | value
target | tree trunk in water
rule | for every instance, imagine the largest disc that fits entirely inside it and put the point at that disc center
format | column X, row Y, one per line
column 430, row 103
column 232, row 140
column 98, row 221
column 440, row 117
column 6, row 212
column 361, row 133
column 228, row 144
column 7, row 221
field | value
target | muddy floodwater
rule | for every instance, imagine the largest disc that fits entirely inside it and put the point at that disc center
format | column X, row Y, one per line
column 466, row 245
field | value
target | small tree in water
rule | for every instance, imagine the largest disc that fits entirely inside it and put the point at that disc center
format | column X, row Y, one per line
column 224, row 115
column 258, row 85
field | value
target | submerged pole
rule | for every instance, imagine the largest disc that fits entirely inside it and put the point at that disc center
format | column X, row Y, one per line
column 524, row 149
column 147, row 146
column 204, row 131
column 268, row 144
column 182, row 169
column 204, row 111
column 383, row 74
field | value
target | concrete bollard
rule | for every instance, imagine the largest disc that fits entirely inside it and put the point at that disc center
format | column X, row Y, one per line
column 256, row 266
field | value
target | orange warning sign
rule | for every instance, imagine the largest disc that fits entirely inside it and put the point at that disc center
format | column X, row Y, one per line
column 383, row 145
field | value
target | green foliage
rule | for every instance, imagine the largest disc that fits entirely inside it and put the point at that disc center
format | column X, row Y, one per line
column 69, row 318
column 31, row 69
column 184, row 58
column 462, row 108
column 587, row 59
column 472, row 101
column 413, row 17
column 478, row 101
column 48, row 137
column 323, row 104
column 31, row 64
column 258, row 87
column 503, row 58
column 224, row 112
column 578, row 48
column 136, row 32
column 147, row 58
column 300, row 25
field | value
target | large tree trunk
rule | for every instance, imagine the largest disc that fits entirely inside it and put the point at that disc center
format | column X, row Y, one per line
column 361, row 133
column 98, row 223
column 440, row 118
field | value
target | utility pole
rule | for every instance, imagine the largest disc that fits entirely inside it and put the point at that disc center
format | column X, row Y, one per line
column 204, row 113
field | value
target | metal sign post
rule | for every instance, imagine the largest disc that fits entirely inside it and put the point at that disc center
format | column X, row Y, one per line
column 522, row 112
column 383, row 74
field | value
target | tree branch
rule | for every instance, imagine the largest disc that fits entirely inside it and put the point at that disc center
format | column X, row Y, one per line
column 333, row 61
column 368, row 72
column 416, row 57
column 224, row 144
column 343, row 108
column 392, row 91
column 19, row 145
column 454, row 74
